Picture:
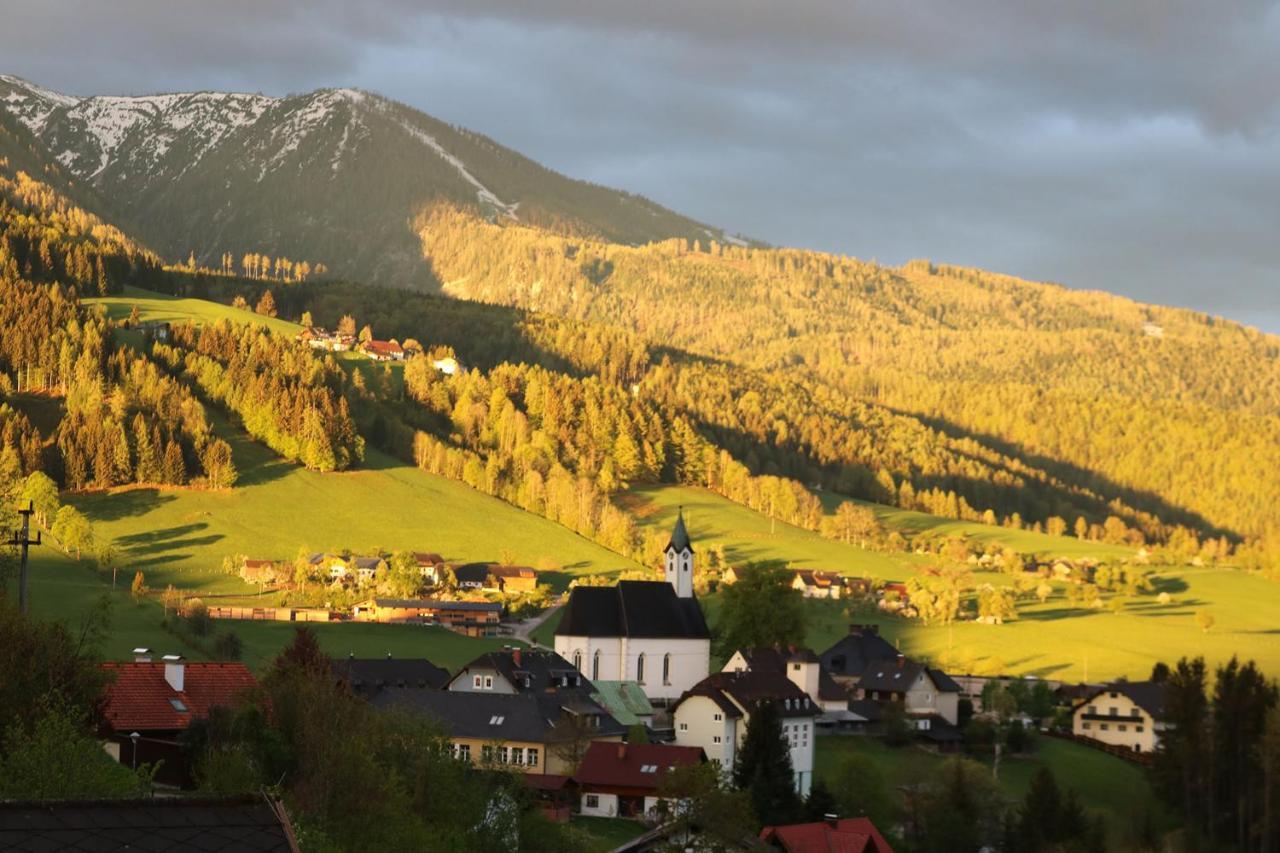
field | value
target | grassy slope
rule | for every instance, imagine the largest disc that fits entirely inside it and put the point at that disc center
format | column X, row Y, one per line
column 173, row 309
column 605, row 833
column 1106, row 785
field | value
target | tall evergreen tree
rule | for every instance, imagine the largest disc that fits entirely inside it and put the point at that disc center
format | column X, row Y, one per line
column 762, row 767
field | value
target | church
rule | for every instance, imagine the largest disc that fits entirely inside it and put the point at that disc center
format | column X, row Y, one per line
column 650, row 632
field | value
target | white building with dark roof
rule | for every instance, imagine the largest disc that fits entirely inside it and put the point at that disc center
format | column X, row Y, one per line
column 649, row 632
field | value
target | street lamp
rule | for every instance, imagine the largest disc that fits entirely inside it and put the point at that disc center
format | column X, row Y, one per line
column 133, row 736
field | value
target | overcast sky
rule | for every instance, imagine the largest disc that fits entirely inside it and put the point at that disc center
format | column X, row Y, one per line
column 1124, row 145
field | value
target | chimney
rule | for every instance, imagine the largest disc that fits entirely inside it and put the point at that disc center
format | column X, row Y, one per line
column 142, row 655
column 832, row 820
column 622, row 751
column 902, row 660
column 173, row 671
column 515, row 656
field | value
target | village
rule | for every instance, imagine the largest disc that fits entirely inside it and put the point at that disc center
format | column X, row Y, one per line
column 597, row 723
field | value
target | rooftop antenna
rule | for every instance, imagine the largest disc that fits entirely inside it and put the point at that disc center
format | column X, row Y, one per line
column 23, row 538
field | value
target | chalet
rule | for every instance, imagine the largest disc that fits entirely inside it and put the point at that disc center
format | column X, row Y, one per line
column 472, row 618
column 258, row 571
column 317, row 338
column 155, row 330
column 818, row 584
column 368, row 676
column 331, row 565
column 383, row 350
column 804, row 669
column 850, row 835
column 625, row 701
column 148, row 705
column 929, row 696
column 491, row 577
column 429, row 565
column 852, row 654
column 366, row 568
column 536, row 733
column 249, row 822
column 650, row 632
column 623, row 779
column 715, row 712
column 1124, row 713
column 516, row 670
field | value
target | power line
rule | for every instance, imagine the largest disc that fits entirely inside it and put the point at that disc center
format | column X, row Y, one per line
column 23, row 539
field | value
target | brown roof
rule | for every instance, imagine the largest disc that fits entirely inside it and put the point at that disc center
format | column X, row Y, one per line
column 140, row 699
column 748, row 688
column 633, row 765
column 851, row 835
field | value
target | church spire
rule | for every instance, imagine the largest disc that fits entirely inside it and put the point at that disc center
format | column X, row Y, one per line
column 678, row 557
column 679, row 536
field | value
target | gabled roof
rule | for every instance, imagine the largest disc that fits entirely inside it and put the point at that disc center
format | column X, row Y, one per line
column 632, row 609
column 851, row 835
column 772, row 659
column 139, row 699
column 625, row 700
column 633, row 765
column 535, row 718
column 1147, row 695
column 366, row 562
column 529, row 670
column 369, row 675
column 898, row 675
column 258, row 564
column 383, row 347
column 427, row 558
column 742, row 690
column 853, row 653
column 679, row 536
column 247, row 824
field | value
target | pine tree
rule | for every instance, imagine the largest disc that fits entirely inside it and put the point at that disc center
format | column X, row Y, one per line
column 175, row 469
column 763, row 768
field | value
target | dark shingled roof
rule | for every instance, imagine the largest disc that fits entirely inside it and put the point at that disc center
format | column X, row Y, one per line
column 898, row 676
column 538, row 718
column 537, row 671
column 772, row 659
column 1147, row 695
column 247, row 824
column 853, row 653
column 369, row 675
column 748, row 688
column 679, row 536
column 648, row 609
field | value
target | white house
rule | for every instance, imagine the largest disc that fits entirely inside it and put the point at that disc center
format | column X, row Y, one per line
column 715, row 714
column 649, row 632
column 803, row 669
column 624, row 779
column 1124, row 713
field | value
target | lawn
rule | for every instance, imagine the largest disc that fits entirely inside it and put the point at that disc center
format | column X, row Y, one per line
column 174, row 309
column 605, row 833
column 1106, row 785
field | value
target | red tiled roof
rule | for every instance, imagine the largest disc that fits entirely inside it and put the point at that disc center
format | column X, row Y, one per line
column 623, row 765
column 138, row 698
column 259, row 564
column 383, row 347
column 851, row 835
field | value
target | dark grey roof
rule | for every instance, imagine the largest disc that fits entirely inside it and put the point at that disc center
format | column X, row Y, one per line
column 774, row 659
column 853, row 653
column 436, row 604
column 368, row 675
column 474, row 573
column 632, row 609
column 1147, row 695
column 537, row 670
column 539, row 718
column 247, row 824
column 366, row 562
column 750, row 687
column 898, row 675
column 869, row 709
column 679, row 536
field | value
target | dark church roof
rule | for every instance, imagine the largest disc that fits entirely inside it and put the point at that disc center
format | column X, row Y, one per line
column 632, row 609
column 679, row 536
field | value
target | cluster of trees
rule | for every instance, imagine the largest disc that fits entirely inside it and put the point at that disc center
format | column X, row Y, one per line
column 260, row 266
column 283, row 395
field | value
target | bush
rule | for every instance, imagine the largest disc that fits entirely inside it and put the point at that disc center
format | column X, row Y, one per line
column 228, row 646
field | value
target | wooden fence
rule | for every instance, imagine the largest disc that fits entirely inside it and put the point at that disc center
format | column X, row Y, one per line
column 1144, row 759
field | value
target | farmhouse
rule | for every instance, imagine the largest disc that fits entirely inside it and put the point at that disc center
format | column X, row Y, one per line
column 472, row 618
column 516, row 670
column 715, row 712
column 367, row 676
column 429, row 565
column 491, row 577
column 928, row 695
column 527, row 732
column 818, row 584
column 383, row 350
column 852, row 654
column 331, row 565
column 158, row 701
column 317, row 338
column 258, row 571
column 650, row 632
column 1124, row 713
column 803, row 669
column 623, row 779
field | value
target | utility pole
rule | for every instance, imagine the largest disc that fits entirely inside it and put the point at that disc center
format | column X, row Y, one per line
column 24, row 540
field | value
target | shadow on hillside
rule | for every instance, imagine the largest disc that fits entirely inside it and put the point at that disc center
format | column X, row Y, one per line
column 154, row 547
column 265, row 472
column 1170, row 585
column 125, row 504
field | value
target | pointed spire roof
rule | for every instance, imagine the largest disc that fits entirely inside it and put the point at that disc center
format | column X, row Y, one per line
column 679, row 536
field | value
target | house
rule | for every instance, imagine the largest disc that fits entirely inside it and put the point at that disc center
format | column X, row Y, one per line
column 625, row 701
column 472, row 618
column 366, row 568
column 732, row 575
column 928, row 695
column 850, row 656
column 715, row 712
column 803, row 668
column 516, row 670
column 258, row 571
column 1124, row 713
column 540, row 733
column 367, row 676
column 429, row 565
column 247, row 823
column 155, row 330
column 331, row 565
column 383, row 350
column 624, row 779
column 650, row 632
column 850, row 835
column 491, row 577
column 318, row 338
column 149, row 704
column 818, row 584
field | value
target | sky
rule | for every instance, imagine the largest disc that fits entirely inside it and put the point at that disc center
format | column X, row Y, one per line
column 1123, row 145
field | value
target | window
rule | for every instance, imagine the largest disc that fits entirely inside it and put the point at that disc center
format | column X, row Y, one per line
column 1093, row 709
column 1115, row 711
column 718, row 717
column 531, row 757
column 1139, row 728
column 1123, row 727
column 577, row 661
column 666, row 668
column 593, row 801
column 648, row 768
column 517, row 755
column 488, row 682
column 1086, row 725
column 464, row 751
column 640, row 668
column 715, row 739
column 795, row 667
column 486, row 754
column 496, row 720
column 1105, row 727
column 178, row 705
column 504, row 755
column 476, row 681
column 595, row 665
column 787, row 703
column 684, row 727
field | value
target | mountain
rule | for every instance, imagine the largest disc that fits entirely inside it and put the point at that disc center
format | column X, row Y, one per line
column 334, row 177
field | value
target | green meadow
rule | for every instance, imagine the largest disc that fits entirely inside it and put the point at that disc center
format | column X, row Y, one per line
column 160, row 307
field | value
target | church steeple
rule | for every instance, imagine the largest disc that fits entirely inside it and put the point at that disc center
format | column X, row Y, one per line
column 679, row 559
